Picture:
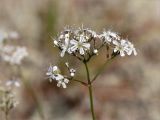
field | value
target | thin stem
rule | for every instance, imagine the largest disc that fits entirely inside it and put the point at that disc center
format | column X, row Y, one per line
column 91, row 102
column 87, row 70
column 90, row 92
column 83, row 83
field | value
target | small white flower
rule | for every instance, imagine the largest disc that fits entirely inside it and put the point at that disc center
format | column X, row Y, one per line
column 95, row 51
column 80, row 45
column 120, row 46
column 130, row 48
column 18, row 55
column 62, row 83
column 13, row 35
column 124, row 46
column 93, row 33
column 13, row 55
column 109, row 36
column 7, row 49
column 55, row 74
column 72, row 72
column 65, row 46
column 55, row 42
column 13, row 83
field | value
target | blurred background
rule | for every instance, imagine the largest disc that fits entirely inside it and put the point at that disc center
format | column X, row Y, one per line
column 129, row 88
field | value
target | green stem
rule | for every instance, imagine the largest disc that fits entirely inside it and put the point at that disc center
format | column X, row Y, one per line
column 91, row 102
column 90, row 92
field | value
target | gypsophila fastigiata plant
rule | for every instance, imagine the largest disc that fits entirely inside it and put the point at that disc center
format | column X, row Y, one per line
column 12, row 54
column 83, row 44
column 8, row 99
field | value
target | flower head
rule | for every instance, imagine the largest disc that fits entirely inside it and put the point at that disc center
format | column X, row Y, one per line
column 81, row 45
column 55, row 74
column 8, row 99
column 63, row 83
column 123, row 47
column 13, row 55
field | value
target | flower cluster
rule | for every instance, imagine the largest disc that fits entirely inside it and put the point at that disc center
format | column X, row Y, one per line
column 11, row 53
column 8, row 99
column 84, row 44
column 54, row 73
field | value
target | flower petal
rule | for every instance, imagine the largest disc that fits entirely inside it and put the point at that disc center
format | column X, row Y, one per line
column 81, row 50
column 86, row 45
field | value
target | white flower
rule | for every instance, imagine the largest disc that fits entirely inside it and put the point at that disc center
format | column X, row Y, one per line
column 95, row 51
column 72, row 72
column 80, row 45
column 124, row 47
column 65, row 46
column 55, row 74
column 12, row 54
column 63, row 83
column 7, row 100
column 7, row 49
column 109, row 36
column 13, row 35
column 120, row 46
column 18, row 55
column 13, row 83
column 55, row 42
column 130, row 48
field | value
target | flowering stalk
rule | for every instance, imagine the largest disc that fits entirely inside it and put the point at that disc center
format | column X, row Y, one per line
column 90, row 91
column 13, row 55
column 8, row 99
column 83, row 44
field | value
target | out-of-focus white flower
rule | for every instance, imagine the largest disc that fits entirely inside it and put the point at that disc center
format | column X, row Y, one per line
column 13, row 35
column 7, row 101
column 14, row 56
column 80, row 45
column 123, row 47
column 7, row 49
column 13, row 83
